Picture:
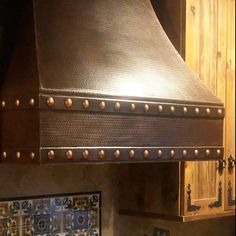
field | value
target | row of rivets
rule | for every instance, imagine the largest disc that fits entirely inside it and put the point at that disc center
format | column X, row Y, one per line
column 17, row 103
column 101, row 154
column 131, row 153
column 117, row 106
column 102, row 105
column 18, row 155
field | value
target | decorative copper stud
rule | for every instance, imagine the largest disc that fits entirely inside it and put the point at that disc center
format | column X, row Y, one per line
column 117, row 154
column 86, row 104
column 218, row 152
column 146, row 154
column 117, row 106
column 172, row 109
column 3, row 104
column 102, row 105
column 196, row 152
column 197, row 111
column 50, row 101
column 160, row 108
column 85, row 154
column 17, row 102
column 146, row 107
column 159, row 153
column 4, row 155
column 172, row 153
column 185, row 110
column 208, row 152
column 18, row 155
column 68, row 103
column 132, row 107
column 31, row 102
column 131, row 153
column 208, row 111
column 185, row 153
column 220, row 112
column 32, row 155
column 51, row 154
column 69, row 154
column 101, row 154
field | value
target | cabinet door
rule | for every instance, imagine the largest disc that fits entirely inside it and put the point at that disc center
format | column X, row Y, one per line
column 230, row 110
column 203, row 191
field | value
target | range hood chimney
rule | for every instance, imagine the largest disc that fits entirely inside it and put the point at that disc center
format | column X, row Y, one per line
column 99, row 81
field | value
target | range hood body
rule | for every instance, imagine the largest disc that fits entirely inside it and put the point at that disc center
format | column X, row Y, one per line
column 99, row 81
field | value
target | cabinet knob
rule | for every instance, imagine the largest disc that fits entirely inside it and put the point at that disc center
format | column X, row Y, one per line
column 231, row 163
column 221, row 165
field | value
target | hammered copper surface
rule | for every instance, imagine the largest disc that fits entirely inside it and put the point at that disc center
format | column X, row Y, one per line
column 69, row 129
column 95, row 59
column 110, row 47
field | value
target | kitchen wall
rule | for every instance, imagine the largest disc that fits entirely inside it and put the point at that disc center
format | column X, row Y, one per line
column 17, row 181
column 138, row 226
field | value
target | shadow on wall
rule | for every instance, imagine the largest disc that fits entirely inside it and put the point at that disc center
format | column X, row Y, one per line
column 138, row 226
column 10, row 12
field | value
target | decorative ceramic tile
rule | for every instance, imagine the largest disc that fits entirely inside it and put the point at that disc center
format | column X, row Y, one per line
column 70, row 215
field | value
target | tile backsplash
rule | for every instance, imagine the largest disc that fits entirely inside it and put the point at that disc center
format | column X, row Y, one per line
column 59, row 215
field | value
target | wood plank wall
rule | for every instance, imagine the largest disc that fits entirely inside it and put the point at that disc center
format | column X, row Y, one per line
column 210, row 42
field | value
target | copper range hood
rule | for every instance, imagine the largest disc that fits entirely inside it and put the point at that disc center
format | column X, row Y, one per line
column 95, row 81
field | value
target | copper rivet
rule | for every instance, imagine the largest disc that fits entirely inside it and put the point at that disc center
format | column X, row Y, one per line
column 18, row 155
column 131, row 153
column 50, row 101
column 51, row 154
column 208, row 111
column 17, row 102
column 218, row 152
column 32, row 155
column 3, row 104
column 172, row 153
column 160, row 108
column 132, row 107
column 31, row 102
column 86, row 104
column 196, row 152
column 220, row 111
column 185, row 110
column 69, row 154
column 117, row 154
column 4, row 155
column 101, row 154
column 159, row 153
column 208, row 152
column 102, row 105
column 146, row 153
column 185, row 153
column 68, row 103
column 172, row 109
column 146, row 107
column 117, row 106
column 85, row 154
column 197, row 111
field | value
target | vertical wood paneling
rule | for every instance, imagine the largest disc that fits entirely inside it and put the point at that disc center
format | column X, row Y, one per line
column 210, row 42
column 230, row 98
column 192, row 35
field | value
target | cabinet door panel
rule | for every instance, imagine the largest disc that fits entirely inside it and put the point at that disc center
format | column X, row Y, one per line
column 230, row 112
column 206, row 55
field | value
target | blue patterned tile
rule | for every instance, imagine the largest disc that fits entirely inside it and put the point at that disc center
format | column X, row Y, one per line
column 77, row 214
column 81, row 219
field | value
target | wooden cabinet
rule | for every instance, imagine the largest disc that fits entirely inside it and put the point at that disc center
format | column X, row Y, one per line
column 190, row 191
column 210, row 36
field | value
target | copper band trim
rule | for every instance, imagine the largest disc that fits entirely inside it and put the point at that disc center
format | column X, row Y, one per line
column 111, row 106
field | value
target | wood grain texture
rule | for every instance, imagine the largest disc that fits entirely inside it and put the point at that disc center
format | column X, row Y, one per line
column 210, row 54
column 230, row 101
